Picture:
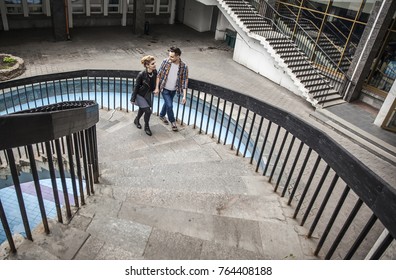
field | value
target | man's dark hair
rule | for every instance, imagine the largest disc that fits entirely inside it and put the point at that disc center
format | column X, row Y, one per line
column 176, row 50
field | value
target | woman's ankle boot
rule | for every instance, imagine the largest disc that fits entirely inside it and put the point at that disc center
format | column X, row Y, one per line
column 147, row 130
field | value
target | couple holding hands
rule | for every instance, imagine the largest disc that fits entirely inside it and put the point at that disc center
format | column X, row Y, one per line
column 171, row 78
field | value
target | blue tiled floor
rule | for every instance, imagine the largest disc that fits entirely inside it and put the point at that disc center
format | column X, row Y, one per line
column 11, row 207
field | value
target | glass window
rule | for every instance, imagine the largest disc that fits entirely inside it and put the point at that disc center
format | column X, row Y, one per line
column 150, row 7
column 383, row 72
column 35, row 6
column 14, row 6
column 78, row 6
column 96, row 6
column 164, row 6
column 114, row 6
column 130, row 6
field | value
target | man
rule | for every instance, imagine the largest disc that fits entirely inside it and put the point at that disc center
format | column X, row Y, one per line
column 172, row 78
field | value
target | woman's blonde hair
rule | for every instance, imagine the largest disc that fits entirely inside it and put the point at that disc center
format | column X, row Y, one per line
column 146, row 60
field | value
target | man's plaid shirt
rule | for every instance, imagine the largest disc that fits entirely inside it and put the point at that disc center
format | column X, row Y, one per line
column 182, row 74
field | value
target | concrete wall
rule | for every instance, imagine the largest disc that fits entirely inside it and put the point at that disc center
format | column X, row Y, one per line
column 386, row 107
column 222, row 25
column 198, row 16
column 251, row 54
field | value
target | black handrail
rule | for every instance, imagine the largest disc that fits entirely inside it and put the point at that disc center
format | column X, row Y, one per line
column 46, row 123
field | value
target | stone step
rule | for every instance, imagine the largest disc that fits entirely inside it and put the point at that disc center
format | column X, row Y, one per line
column 179, row 234
column 63, row 242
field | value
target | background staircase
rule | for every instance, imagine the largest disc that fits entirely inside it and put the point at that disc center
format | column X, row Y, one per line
column 170, row 196
column 303, row 72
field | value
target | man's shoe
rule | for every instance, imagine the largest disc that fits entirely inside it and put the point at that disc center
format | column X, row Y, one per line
column 174, row 127
column 136, row 122
column 147, row 130
column 164, row 120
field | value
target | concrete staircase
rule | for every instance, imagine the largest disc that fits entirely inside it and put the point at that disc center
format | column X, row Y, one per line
column 314, row 85
column 170, row 196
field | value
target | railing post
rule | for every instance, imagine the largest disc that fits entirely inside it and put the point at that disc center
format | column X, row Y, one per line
column 18, row 190
column 7, row 228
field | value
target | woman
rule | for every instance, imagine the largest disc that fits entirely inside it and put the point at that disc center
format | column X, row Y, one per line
column 141, row 96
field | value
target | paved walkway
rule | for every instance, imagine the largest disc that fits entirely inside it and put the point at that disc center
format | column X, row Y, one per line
column 208, row 60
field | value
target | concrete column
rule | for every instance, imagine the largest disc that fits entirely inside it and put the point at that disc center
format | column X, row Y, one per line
column 221, row 26
column 46, row 7
column 369, row 44
column 106, row 7
column 59, row 27
column 88, row 7
column 124, row 11
column 3, row 12
column 172, row 7
column 387, row 106
column 157, row 7
column 139, row 17
column 70, row 13
column 25, row 8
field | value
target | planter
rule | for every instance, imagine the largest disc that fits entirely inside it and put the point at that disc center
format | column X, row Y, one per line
column 13, row 70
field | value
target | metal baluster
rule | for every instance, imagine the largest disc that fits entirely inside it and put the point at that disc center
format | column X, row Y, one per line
column 78, row 164
column 114, row 93
column 61, row 92
column 67, row 90
column 88, row 142
column 209, row 113
column 183, row 111
column 222, row 120
column 315, row 195
column 229, row 123
column 382, row 247
column 257, row 139
column 292, row 168
column 101, row 93
column 202, row 114
column 191, row 102
column 236, row 127
column 54, row 89
column 272, row 150
column 215, row 118
column 63, row 179
column 361, row 237
column 53, row 181
column 285, row 163
column 313, row 172
column 299, row 176
column 7, row 229
column 177, row 107
column 36, row 181
column 263, row 146
column 19, row 98
column 250, row 135
column 196, row 110
column 18, row 190
column 344, row 229
column 278, row 156
column 5, row 104
column 85, row 161
column 323, row 205
column 120, row 93
column 71, row 167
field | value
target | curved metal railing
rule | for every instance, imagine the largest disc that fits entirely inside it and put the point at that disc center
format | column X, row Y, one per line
column 43, row 132
column 332, row 194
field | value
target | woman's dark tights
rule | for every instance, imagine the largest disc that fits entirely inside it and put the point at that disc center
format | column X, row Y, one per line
column 147, row 114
